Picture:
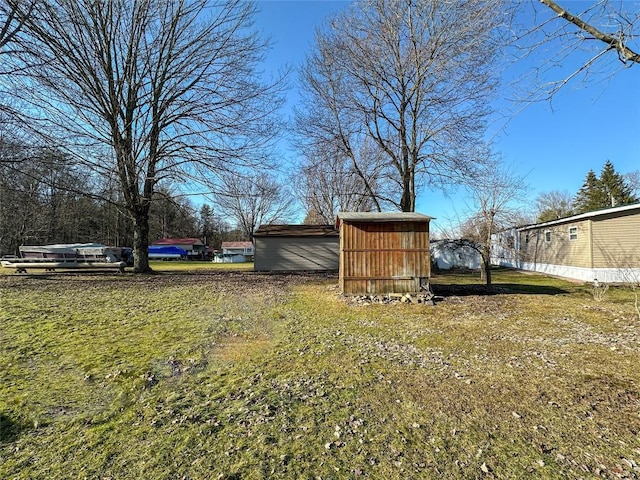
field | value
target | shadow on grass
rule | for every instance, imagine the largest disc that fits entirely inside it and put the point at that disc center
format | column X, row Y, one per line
column 460, row 290
column 9, row 428
column 461, row 282
column 251, row 274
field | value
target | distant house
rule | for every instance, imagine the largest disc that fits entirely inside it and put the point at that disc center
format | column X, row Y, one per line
column 193, row 246
column 235, row 252
column 384, row 252
column 296, row 248
column 602, row 245
column 447, row 254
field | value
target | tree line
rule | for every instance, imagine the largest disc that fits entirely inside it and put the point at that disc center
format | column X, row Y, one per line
column 45, row 199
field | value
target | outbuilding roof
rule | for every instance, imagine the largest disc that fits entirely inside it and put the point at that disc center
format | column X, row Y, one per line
column 178, row 241
column 296, row 231
column 237, row 244
column 380, row 217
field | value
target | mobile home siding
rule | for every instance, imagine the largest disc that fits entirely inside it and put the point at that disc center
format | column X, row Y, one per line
column 384, row 257
column 616, row 241
column 607, row 247
column 561, row 249
column 296, row 253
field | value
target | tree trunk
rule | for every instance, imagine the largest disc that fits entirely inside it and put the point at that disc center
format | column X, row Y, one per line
column 486, row 251
column 141, row 243
column 407, row 202
column 486, row 264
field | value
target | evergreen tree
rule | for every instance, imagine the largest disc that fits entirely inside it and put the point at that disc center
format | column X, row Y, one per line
column 590, row 196
column 609, row 190
column 614, row 187
column 207, row 222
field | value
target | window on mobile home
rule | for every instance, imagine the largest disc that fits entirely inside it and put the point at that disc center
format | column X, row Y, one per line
column 573, row 233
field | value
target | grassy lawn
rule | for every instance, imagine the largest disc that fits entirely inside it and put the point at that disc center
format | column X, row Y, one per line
column 206, row 373
column 193, row 266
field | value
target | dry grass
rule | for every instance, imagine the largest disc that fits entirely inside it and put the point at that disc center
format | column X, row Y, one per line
column 241, row 375
column 198, row 266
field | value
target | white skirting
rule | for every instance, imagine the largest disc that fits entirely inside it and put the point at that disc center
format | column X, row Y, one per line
column 606, row 275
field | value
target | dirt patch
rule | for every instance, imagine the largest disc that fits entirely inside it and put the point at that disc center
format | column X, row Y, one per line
column 275, row 284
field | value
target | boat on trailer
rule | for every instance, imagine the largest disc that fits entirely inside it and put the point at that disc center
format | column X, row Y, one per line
column 66, row 256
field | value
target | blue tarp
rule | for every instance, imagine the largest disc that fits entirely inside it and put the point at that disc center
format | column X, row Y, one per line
column 166, row 250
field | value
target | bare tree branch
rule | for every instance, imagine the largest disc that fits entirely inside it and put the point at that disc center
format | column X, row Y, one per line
column 328, row 183
column 615, row 42
column 553, row 205
column 564, row 47
column 11, row 22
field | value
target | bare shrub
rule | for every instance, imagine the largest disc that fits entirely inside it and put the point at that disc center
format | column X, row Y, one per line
column 599, row 290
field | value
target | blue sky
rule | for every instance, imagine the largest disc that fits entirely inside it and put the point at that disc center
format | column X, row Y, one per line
column 553, row 144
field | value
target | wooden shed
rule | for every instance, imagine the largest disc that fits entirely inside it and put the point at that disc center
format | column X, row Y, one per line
column 296, row 248
column 383, row 253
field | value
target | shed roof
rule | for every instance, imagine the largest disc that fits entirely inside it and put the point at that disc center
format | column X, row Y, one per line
column 380, row 217
column 236, row 244
column 178, row 241
column 296, row 231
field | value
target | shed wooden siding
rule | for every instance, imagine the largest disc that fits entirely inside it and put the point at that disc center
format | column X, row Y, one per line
column 616, row 241
column 296, row 253
column 381, row 257
column 561, row 250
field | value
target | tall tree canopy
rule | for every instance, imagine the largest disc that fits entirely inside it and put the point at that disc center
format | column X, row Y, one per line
column 414, row 77
column 164, row 89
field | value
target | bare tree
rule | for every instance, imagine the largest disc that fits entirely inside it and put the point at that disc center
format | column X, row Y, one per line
column 633, row 181
column 630, row 276
column 622, row 258
column 166, row 88
column 327, row 183
column 495, row 194
column 594, row 41
column 254, row 200
column 414, row 77
column 553, row 205
column 328, row 133
column 19, row 197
